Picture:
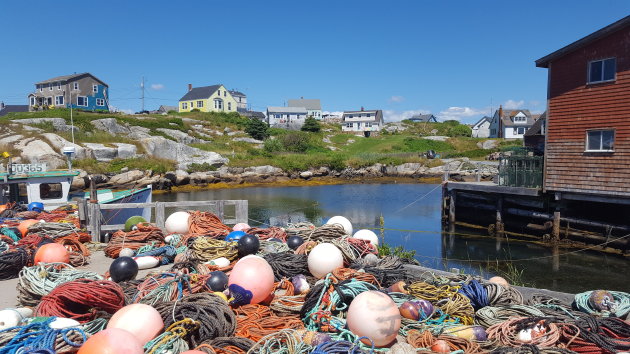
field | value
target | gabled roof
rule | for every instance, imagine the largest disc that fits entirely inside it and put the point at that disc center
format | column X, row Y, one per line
column 310, row 104
column 166, row 108
column 614, row 27
column 237, row 93
column 70, row 78
column 11, row 108
column 536, row 129
column 286, row 110
column 198, row 93
column 378, row 116
column 423, row 118
column 481, row 121
column 508, row 115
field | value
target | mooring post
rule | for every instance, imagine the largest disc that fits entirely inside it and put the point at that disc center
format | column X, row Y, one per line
column 499, row 226
column 478, row 172
column 451, row 207
column 555, row 230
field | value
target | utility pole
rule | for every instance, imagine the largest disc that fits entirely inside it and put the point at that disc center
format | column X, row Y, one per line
column 142, row 87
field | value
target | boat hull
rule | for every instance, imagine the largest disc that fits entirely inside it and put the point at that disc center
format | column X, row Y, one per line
column 120, row 216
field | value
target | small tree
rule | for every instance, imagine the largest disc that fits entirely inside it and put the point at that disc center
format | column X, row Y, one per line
column 257, row 129
column 311, row 125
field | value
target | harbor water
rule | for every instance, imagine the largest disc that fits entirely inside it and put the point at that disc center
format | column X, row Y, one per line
column 411, row 218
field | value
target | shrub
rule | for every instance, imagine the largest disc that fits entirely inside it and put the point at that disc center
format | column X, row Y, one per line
column 311, row 125
column 460, row 130
column 257, row 129
column 200, row 167
column 295, row 142
column 273, row 145
column 195, row 110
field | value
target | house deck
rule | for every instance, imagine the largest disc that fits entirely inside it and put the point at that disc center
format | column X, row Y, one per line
column 491, row 187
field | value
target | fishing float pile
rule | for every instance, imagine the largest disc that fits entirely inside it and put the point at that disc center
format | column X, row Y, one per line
column 299, row 289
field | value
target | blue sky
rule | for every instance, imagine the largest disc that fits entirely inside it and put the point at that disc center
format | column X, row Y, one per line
column 456, row 59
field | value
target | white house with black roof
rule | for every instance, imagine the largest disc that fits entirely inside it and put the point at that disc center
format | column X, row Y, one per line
column 362, row 121
column 241, row 99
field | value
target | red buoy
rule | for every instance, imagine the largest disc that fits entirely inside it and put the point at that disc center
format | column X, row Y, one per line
column 51, row 253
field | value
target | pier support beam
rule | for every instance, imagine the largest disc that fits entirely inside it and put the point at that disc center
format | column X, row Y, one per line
column 555, row 229
column 451, row 207
column 499, row 226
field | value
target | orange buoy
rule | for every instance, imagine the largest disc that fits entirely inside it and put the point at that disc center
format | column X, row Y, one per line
column 3, row 207
column 440, row 346
column 143, row 321
column 24, row 225
column 51, row 253
column 112, row 341
column 500, row 281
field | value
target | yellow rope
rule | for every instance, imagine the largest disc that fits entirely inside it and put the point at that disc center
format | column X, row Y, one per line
column 206, row 249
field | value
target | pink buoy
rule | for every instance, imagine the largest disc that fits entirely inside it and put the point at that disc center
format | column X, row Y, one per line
column 374, row 315
column 251, row 280
column 112, row 341
column 500, row 281
column 241, row 226
column 143, row 321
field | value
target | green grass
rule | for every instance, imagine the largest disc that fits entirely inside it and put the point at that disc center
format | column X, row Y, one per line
column 154, row 164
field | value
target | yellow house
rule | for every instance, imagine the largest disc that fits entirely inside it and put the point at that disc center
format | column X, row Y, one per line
column 215, row 98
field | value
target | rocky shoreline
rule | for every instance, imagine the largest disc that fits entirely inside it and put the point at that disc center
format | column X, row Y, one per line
column 273, row 175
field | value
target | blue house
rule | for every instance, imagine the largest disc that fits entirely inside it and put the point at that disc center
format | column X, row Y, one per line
column 83, row 91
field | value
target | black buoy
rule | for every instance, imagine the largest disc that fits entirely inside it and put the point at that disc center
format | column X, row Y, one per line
column 248, row 244
column 123, row 269
column 294, row 242
column 218, row 281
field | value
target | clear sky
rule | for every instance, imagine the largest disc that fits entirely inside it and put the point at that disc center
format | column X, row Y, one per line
column 456, row 59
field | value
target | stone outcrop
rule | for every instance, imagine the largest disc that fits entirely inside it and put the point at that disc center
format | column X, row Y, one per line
column 37, row 151
column 248, row 140
column 126, row 151
column 102, row 152
column 58, row 143
column 111, row 126
column 180, row 136
column 59, row 124
column 488, row 144
column 126, row 178
column 185, row 155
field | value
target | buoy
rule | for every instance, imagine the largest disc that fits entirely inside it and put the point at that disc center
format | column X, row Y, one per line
column 300, row 284
column 340, row 220
column 251, row 280
column 221, row 295
column 367, row 235
column 500, row 281
column 477, row 333
column 602, row 300
column 248, row 244
column 177, row 222
column 133, row 221
column 147, row 262
column 323, row 259
column 241, row 226
column 398, row 287
column 112, row 341
column 141, row 320
column 126, row 252
column 51, row 253
column 13, row 317
column 234, row 236
column 23, row 226
column 35, row 206
column 410, row 310
column 440, row 346
column 218, row 281
column 374, row 315
column 61, row 323
column 294, row 242
column 220, row 262
column 123, row 269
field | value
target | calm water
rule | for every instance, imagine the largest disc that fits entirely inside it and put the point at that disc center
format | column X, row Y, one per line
column 412, row 219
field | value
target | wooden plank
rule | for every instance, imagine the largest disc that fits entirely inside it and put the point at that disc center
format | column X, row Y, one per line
column 219, row 210
column 112, row 227
column 242, row 210
column 159, row 214
column 492, row 188
column 126, row 206
column 95, row 220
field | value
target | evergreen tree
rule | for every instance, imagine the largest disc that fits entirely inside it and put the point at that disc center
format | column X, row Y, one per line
column 257, row 129
column 311, row 125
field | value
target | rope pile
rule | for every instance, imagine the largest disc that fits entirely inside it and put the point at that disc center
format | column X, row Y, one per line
column 205, row 223
column 203, row 249
column 144, row 235
column 256, row 321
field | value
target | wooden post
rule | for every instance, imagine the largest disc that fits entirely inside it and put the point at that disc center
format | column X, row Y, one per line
column 95, row 222
column 241, row 211
column 478, row 172
column 555, row 230
column 83, row 212
column 499, row 226
column 159, row 214
column 451, row 207
column 220, row 211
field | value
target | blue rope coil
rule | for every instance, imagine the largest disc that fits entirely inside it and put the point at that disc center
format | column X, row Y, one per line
column 166, row 253
column 342, row 347
column 38, row 337
column 477, row 294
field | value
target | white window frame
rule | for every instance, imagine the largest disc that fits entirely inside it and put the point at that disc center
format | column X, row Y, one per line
column 95, row 88
column 85, row 101
column 200, row 104
column 100, row 102
column 59, row 102
column 518, row 130
column 218, row 103
column 586, row 147
column 32, row 101
column 588, row 71
column 50, row 86
column 59, row 86
column 75, row 86
column 349, row 125
column 184, row 105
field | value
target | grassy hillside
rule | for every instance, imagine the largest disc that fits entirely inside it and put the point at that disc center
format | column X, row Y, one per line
column 289, row 150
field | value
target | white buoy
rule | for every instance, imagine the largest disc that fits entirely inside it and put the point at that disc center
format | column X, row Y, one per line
column 367, row 235
column 177, row 222
column 340, row 220
column 13, row 317
column 60, row 323
column 146, row 262
column 126, row 252
column 221, row 262
column 323, row 259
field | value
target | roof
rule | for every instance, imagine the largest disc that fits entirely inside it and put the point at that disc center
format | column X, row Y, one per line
column 309, row 104
column 481, row 121
column 167, row 108
column 286, row 110
column 70, row 78
column 198, row 93
column 378, row 115
column 606, row 31
column 237, row 93
column 250, row 114
column 423, row 118
column 10, row 108
column 509, row 114
column 536, row 129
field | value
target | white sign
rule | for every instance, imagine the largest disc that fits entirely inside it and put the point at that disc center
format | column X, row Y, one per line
column 22, row 168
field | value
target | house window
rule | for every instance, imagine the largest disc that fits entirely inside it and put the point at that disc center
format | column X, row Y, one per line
column 219, row 93
column 229, row 106
column 224, row 93
column 32, row 101
column 602, row 70
column 277, row 116
column 95, row 88
column 76, row 86
column 184, row 105
column 350, row 116
column 82, row 101
column 199, row 104
column 58, row 100
column 520, row 131
column 493, row 131
column 520, row 119
column 218, row 104
column 100, row 102
column 600, row 140
column 50, row 86
column 59, row 85
column 50, row 190
column 49, row 101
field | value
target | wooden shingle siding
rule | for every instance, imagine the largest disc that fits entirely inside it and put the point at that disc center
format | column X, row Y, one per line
column 575, row 107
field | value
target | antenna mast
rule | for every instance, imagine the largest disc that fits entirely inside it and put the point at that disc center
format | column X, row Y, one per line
column 142, row 86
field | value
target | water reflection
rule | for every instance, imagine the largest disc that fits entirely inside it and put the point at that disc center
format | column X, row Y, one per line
column 412, row 219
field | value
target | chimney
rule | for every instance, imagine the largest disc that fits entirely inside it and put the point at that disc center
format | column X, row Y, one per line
column 500, row 111
column 302, row 97
column 189, row 87
column 362, row 109
column 500, row 132
column 1, row 106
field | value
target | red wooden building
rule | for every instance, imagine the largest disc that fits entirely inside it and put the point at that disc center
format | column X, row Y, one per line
column 587, row 148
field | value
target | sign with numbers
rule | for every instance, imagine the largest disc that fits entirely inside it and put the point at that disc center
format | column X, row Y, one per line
column 22, row 168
